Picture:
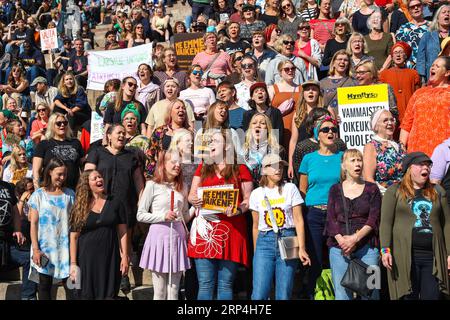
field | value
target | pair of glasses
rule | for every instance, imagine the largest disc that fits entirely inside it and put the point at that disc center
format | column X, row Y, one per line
column 238, row 58
column 416, row 6
column 61, row 123
column 286, row 6
column 247, row 66
column 304, row 28
column 287, row 69
column 327, row 129
column 132, row 85
column 40, row 110
column 391, row 120
column 362, row 72
column 286, row 42
column 139, row 27
column 197, row 72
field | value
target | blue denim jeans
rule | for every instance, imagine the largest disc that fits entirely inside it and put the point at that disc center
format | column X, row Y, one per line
column 339, row 264
column 314, row 224
column 199, row 8
column 267, row 263
column 212, row 271
column 22, row 258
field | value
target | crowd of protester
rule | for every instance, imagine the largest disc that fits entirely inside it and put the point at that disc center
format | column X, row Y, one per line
column 257, row 112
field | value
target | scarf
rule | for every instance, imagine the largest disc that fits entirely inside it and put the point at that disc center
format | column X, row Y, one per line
column 389, row 142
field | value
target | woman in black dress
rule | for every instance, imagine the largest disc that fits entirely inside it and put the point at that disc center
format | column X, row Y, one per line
column 97, row 223
column 121, row 171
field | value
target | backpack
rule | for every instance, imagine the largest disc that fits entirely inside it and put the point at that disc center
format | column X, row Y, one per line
column 324, row 286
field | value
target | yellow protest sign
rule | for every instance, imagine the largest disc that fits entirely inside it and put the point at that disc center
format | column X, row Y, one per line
column 220, row 199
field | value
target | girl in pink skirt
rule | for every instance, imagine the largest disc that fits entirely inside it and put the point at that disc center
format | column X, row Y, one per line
column 164, row 205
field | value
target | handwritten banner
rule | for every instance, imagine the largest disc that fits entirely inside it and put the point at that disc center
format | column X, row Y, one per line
column 356, row 105
column 116, row 64
column 49, row 39
column 187, row 45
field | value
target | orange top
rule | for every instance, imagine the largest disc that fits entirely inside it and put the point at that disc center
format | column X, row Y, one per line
column 404, row 82
column 278, row 99
column 427, row 119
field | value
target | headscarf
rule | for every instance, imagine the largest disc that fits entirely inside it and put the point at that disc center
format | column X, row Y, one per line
column 130, row 108
column 319, row 124
column 9, row 115
column 406, row 47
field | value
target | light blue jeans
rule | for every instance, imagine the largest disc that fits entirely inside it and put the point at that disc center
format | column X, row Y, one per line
column 268, row 264
column 212, row 271
column 339, row 264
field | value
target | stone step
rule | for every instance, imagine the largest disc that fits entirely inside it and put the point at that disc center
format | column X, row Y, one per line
column 140, row 280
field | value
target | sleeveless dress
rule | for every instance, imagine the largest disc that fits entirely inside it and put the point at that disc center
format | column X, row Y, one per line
column 278, row 99
column 388, row 169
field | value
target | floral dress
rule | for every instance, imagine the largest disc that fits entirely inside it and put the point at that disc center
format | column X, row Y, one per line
column 156, row 145
column 53, row 232
column 389, row 160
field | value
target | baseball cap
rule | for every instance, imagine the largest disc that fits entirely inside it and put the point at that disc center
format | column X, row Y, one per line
column 272, row 158
column 39, row 80
column 414, row 158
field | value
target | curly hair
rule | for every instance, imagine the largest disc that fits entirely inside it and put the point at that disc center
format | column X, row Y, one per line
column 83, row 198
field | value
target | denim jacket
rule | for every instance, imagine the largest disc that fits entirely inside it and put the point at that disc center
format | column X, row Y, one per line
column 429, row 48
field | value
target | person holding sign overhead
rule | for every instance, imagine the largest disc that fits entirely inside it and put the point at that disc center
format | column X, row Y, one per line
column 163, row 204
column 285, row 207
column 219, row 242
column 319, row 170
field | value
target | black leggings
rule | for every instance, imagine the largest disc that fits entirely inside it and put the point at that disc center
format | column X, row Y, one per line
column 45, row 287
column 425, row 286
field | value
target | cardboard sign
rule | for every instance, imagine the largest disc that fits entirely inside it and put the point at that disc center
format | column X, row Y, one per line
column 97, row 127
column 356, row 105
column 187, row 45
column 220, row 199
column 116, row 64
column 49, row 39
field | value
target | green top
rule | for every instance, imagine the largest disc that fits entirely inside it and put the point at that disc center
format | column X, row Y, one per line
column 396, row 226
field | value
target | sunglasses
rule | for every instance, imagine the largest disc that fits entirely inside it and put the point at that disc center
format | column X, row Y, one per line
column 40, row 110
column 238, row 58
column 304, row 28
column 286, row 6
column 197, row 72
column 247, row 65
column 327, row 129
column 287, row 69
column 416, row 6
column 132, row 85
column 285, row 42
column 60, row 123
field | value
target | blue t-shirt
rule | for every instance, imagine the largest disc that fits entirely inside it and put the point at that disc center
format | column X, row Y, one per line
column 322, row 172
column 235, row 118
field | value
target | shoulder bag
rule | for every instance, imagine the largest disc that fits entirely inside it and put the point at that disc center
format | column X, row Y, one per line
column 356, row 276
column 286, row 106
column 288, row 246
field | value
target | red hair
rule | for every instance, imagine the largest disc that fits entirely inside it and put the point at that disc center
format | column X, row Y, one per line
column 160, row 176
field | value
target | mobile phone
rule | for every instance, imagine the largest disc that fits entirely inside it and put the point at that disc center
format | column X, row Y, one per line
column 44, row 261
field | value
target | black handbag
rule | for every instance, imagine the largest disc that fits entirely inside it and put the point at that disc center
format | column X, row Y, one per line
column 356, row 277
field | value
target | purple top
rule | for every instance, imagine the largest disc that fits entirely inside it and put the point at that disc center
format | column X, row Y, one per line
column 441, row 160
column 363, row 210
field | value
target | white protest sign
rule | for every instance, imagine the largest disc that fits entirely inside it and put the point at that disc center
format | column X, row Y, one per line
column 49, row 39
column 97, row 127
column 356, row 105
column 116, row 64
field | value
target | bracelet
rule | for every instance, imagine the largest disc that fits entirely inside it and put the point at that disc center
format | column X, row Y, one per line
column 385, row 251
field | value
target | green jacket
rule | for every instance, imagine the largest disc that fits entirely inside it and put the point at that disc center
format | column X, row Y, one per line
column 397, row 222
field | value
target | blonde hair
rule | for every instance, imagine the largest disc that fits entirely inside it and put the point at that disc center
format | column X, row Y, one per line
column 372, row 68
column 178, row 136
column 50, row 132
column 282, row 63
column 65, row 92
column 271, row 139
column 349, row 43
column 278, row 45
column 45, row 105
column 14, row 162
column 349, row 153
column 332, row 70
